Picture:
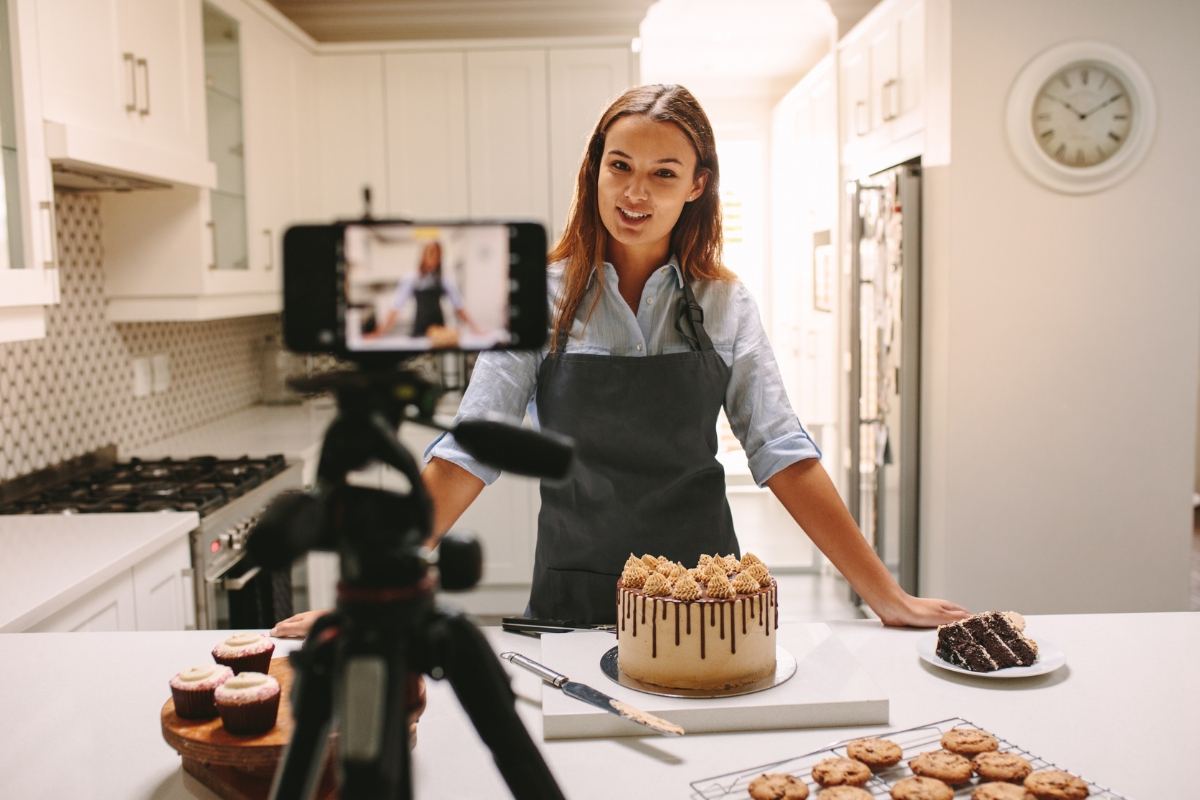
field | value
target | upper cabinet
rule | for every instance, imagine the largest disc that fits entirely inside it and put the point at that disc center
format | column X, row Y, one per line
column 123, row 89
column 882, row 78
column 28, row 244
column 192, row 252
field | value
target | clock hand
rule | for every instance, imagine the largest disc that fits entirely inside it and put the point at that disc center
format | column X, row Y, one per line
column 1112, row 99
column 1065, row 103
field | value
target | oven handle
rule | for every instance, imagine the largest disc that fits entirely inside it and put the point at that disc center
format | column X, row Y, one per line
column 234, row 584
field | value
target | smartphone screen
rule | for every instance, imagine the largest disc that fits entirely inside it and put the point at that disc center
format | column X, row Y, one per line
column 426, row 287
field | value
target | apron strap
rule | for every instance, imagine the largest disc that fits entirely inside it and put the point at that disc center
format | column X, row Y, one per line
column 688, row 308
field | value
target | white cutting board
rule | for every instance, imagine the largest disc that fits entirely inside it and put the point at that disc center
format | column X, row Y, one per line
column 830, row 688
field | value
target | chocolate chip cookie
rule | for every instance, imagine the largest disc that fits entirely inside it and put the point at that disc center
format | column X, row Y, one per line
column 919, row 788
column 969, row 741
column 841, row 772
column 1053, row 784
column 875, row 753
column 993, row 766
column 844, row 793
column 999, row 791
column 778, row 786
column 948, row 767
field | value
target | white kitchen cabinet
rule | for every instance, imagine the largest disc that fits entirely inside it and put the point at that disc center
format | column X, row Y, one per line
column 350, row 133
column 427, row 135
column 154, row 595
column 110, row 607
column 163, row 592
column 191, row 253
column 123, row 88
column 882, row 74
column 507, row 134
column 582, row 83
column 28, row 254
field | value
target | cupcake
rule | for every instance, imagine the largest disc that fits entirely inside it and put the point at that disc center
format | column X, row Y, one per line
column 248, row 703
column 193, row 690
column 245, row 652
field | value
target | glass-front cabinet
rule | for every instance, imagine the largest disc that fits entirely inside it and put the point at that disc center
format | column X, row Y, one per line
column 226, row 149
column 28, row 261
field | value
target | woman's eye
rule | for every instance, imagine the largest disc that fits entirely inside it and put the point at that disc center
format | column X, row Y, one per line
column 621, row 165
column 666, row 173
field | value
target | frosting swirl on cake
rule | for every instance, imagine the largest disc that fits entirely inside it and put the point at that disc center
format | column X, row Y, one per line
column 242, row 644
column 204, row 676
column 745, row 584
column 720, row 587
column 634, row 576
column 249, row 687
column 656, row 586
column 686, row 589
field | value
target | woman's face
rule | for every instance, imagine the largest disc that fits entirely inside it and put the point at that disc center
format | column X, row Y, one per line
column 431, row 257
column 646, row 176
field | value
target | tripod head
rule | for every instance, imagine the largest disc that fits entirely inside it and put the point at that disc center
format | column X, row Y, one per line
column 357, row 669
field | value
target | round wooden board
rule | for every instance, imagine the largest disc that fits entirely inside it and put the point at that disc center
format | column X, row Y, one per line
column 206, row 740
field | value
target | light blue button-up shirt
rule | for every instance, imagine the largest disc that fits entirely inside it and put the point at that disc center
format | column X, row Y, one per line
column 756, row 404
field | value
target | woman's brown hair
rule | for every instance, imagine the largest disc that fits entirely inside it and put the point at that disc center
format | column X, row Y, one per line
column 696, row 237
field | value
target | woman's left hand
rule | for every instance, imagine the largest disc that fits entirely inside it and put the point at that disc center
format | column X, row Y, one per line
column 920, row 612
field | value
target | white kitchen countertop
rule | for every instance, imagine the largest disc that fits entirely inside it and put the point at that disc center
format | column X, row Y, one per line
column 49, row 561
column 81, row 715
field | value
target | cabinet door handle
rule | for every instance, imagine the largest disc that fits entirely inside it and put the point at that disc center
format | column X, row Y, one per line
column 859, row 116
column 51, row 229
column 889, row 91
column 270, row 249
column 145, row 65
column 212, row 232
column 131, row 101
column 187, row 587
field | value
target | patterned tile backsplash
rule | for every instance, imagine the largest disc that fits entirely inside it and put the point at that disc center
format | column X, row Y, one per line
column 72, row 392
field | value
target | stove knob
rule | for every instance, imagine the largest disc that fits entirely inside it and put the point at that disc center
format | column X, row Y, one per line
column 226, row 540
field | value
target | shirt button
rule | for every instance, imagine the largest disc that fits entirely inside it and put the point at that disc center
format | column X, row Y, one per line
column 650, row 300
column 639, row 347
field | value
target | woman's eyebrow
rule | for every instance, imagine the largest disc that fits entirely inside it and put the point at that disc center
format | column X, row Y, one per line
column 660, row 161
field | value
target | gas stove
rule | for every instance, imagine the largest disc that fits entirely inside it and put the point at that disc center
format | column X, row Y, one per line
column 201, row 484
column 228, row 494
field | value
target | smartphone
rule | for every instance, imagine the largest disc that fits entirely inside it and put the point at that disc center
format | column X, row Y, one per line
column 370, row 288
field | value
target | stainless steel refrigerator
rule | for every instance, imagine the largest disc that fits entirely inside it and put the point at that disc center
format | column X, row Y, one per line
column 884, row 331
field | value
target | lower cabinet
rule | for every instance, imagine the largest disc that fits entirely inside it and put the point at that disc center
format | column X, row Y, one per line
column 155, row 595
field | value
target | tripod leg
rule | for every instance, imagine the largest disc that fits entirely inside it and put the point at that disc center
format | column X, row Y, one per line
column 299, row 773
column 482, row 687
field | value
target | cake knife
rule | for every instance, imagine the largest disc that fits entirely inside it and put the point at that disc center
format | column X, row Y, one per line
column 590, row 696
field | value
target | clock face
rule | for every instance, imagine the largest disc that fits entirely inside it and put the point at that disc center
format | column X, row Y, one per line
column 1082, row 115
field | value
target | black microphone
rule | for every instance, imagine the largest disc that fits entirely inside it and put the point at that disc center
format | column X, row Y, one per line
column 511, row 448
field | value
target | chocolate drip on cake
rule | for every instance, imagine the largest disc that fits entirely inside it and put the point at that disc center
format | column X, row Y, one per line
column 689, row 618
column 745, row 603
column 701, row 630
column 721, row 608
column 985, row 643
column 654, row 631
column 732, row 634
column 677, row 624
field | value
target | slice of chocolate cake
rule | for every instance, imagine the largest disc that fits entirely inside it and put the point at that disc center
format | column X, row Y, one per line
column 986, row 642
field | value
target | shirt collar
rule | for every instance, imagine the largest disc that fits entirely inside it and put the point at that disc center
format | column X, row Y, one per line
column 611, row 271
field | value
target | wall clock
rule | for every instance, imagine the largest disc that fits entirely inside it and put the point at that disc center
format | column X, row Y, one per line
column 1080, row 117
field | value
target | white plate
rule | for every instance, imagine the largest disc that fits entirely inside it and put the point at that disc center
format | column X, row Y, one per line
column 1049, row 659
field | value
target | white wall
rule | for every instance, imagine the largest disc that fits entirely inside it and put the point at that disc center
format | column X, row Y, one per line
column 1061, row 335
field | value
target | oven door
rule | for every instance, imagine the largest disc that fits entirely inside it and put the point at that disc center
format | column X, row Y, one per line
column 243, row 595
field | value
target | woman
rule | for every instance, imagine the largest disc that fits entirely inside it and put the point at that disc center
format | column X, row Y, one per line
column 427, row 287
column 651, row 337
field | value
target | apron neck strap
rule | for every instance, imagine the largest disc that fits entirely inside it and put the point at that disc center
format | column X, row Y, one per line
column 688, row 308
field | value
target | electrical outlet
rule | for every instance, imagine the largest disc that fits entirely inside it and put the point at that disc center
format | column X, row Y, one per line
column 143, row 380
column 161, row 369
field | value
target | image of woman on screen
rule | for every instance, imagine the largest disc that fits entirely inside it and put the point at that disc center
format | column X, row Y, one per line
column 426, row 289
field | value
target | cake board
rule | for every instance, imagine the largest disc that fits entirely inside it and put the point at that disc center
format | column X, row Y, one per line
column 830, row 689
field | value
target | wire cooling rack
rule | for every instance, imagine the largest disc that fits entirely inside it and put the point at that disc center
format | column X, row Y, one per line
column 735, row 785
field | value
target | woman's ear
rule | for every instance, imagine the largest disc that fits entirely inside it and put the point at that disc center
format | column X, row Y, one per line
column 699, row 183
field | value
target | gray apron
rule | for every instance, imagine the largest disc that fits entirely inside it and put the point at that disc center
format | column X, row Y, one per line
column 646, row 477
column 429, row 307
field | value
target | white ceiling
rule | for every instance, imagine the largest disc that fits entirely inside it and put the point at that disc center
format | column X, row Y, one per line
column 386, row 20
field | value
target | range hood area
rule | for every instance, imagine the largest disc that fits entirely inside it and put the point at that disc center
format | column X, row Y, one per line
column 89, row 160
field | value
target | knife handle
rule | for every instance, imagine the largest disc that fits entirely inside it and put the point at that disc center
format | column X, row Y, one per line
column 545, row 673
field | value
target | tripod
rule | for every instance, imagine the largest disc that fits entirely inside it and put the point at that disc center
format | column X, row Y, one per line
column 357, row 672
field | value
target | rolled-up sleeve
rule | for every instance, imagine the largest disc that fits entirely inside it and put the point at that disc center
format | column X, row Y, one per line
column 755, row 401
column 502, row 383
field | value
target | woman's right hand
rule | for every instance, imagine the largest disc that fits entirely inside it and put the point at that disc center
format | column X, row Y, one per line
column 298, row 626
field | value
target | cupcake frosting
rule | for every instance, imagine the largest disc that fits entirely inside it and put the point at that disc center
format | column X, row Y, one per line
column 204, row 677
column 249, row 687
column 243, row 644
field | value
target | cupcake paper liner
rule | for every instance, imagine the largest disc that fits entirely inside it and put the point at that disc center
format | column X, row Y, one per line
column 245, row 719
column 194, row 704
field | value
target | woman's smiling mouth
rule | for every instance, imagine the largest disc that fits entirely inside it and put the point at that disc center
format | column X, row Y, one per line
column 631, row 216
